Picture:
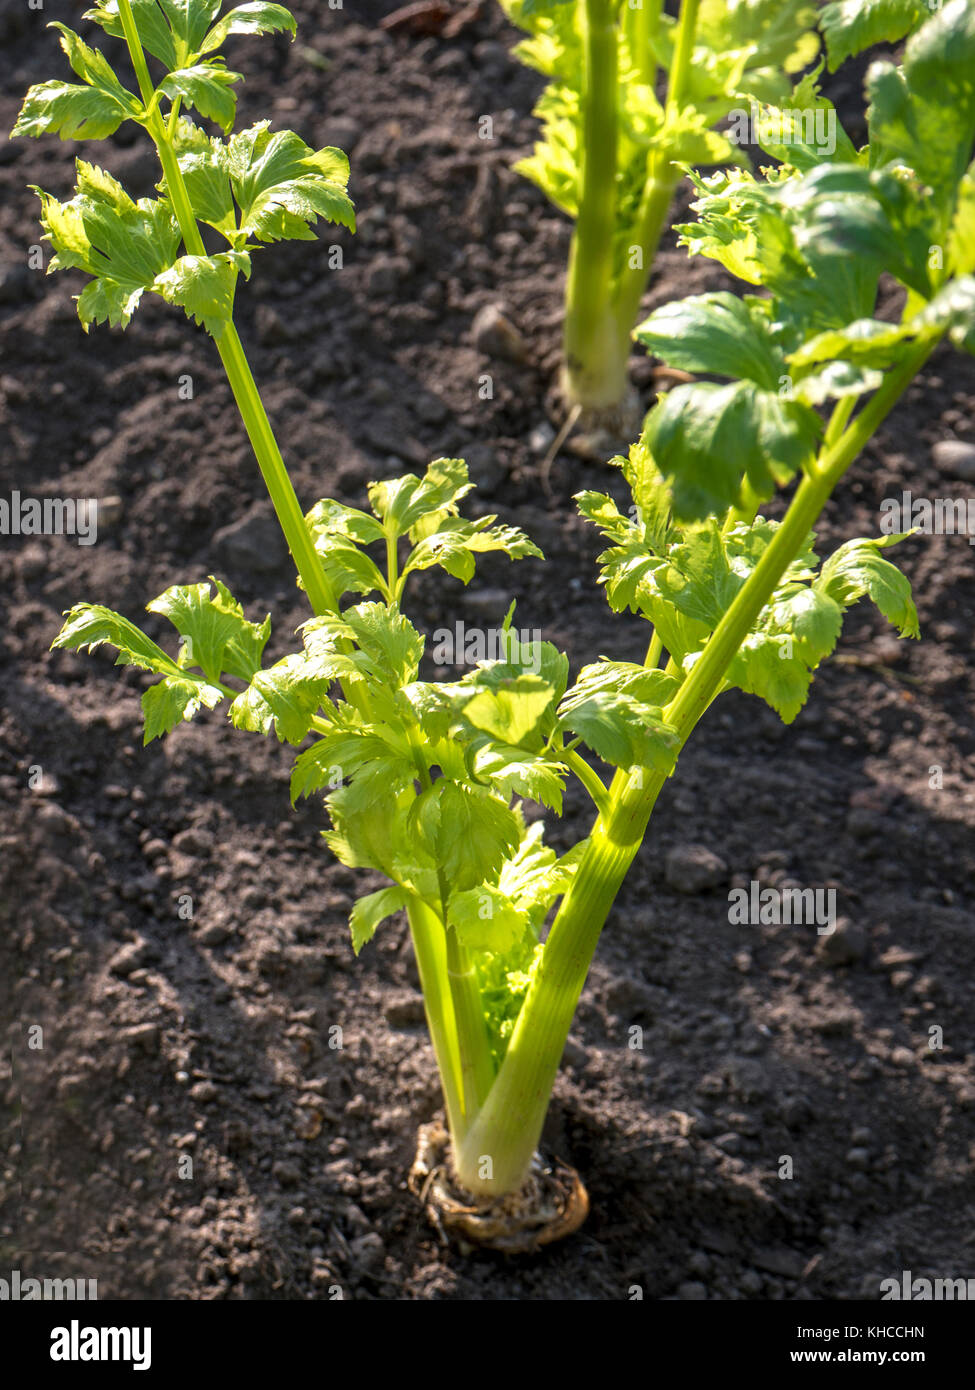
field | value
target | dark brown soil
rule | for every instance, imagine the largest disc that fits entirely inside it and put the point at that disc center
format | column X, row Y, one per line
column 168, row 1036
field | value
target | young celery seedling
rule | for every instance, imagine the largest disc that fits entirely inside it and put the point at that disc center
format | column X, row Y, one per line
column 423, row 781
column 613, row 153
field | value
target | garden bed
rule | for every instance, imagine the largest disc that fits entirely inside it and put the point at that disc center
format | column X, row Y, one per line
column 182, row 937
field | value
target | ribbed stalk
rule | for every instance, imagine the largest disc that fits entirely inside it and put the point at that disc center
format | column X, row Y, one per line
column 641, row 20
column 476, row 1065
column 496, row 1153
column 662, row 180
column 248, row 398
column 599, row 315
column 658, row 194
column 595, row 366
column 290, row 516
column 429, row 947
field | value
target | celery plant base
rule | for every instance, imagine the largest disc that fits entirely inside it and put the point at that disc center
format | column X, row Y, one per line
column 594, row 369
column 599, row 429
column 552, row 1204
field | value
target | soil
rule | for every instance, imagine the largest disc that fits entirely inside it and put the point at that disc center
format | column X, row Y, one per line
column 180, row 935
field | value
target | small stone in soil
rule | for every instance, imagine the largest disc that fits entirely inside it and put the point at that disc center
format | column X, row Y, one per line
column 788, row 1263
column 109, row 512
column 484, row 467
column 694, row 869
column 956, row 458
column 844, row 946
column 574, row 1055
column 405, row 1010
column 194, row 840
column 253, row 544
column 128, row 958
column 494, row 334
column 541, row 438
column 214, row 935
column 287, row 1173
column 368, row 1250
column 630, row 999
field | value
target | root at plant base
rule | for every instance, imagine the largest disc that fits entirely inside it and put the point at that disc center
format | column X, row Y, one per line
column 552, row 1204
column 596, row 435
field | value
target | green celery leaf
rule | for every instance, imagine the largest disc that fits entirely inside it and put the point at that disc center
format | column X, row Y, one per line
column 331, row 518
column 703, row 573
column 204, row 286
column 510, row 709
column 468, row 830
column 283, row 187
column 173, row 700
column 402, row 503
column 513, row 772
column 818, row 243
column 373, row 909
column 285, row 696
column 338, row 531
column 78, row 113
column 836, row 379
column 534, row 877
column 805, row 131
column 716, row 333
column 810, row 616
column 742, row 43
column 858, row 569
column 924, row 112
column 387, row 639
column 344, row 754
column 190, row 19
column 961, row 236
column 73, row 112
column 430, row 705
column 178, row 696
column 741, row 224
column 603, row 512
column 124, row 245
column 216, row 635
column 541, row 659
column 446, row 549
column 624, row 729
column 650, row 687
column 767, row 664
column 456, row 541
column 377, row 836
column 90, row 624
column 953, row 308
column 207, row 87
column 866, row 343
column 855, row 223
column 255, row 17
column 706, row 439
column 347, row 569
column 204, row 166
column 485, row 919
column 153, row 28
column 850, row 26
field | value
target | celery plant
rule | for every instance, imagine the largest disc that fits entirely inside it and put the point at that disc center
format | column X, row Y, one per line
column 613, row 150
column 423, row 782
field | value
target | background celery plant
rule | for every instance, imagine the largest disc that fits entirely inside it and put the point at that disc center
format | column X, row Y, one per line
column 424, row 782
column 634, row 96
